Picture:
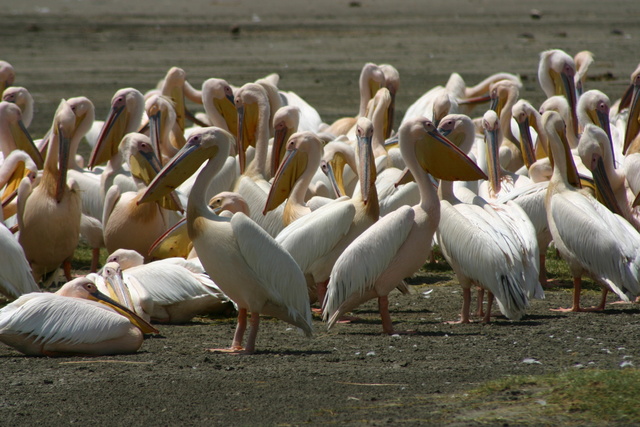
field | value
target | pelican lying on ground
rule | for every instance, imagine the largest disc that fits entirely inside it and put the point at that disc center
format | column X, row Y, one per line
column 15, row 273
column 241, row 258
column 76, row 320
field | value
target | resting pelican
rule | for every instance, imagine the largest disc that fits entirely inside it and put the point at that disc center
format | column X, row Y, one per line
column 76, row 320
column 126, row 223
column 49, row 217
column 15, row 274
column 590, row 238
column 243, row 263
column 583, row 61
column 23, row 99
column 398, row 244
column 504, row 233
column 172, row 290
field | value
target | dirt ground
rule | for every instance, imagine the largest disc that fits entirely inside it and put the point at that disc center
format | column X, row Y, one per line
column 353, row 374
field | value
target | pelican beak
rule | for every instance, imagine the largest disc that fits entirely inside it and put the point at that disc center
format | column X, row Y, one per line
column 138, row 321
column 493, row 159
column 114, row 283
column 155, row 122
column 293, row 166
column 110, row 135
column 226, row 107
column 337, row 166
column 405, row 178
column 603, row 122
column 11, row 188
column 633, row 122
column 391, row 142
column 604, row 192
column 526, row 143
column 374, row 87
column 476, row 100
column 240, row 141
column 182, row 166
column 569, row 88
column 279, row 139
column 328, row 171
column 444, row 160
column 63, row 163
column 25, row 143
column 365, row 156
column 388, row 126
column 193, row 119
column 174, row 242
column 145, row 165
column 177, row 96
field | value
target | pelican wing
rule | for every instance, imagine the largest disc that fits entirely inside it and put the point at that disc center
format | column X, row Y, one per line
column 51, row 318
column 315, row 234
column 15, row 273
column 276, row 270
column 367, row 257
column 614, row 256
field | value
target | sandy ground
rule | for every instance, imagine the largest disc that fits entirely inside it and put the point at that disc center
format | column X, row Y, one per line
column 352, row 375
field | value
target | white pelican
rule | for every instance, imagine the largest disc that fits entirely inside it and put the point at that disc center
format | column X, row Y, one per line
column 594, row 108
column 534, row 151
column 285, row 124
column 15, row 274
column 163, row 119
column 399, row 244
column 172, row 290
column 126, row 223
column 504, row 233
column 23, row 99
column 590, row 238
column 49, row 217
column 7, row 75
column 76, row 320
column 556, row 74
column 335, row 225
column 583, row 61
column 15, row 167
column 218, row 103
column 392, row 84
column 248, row 265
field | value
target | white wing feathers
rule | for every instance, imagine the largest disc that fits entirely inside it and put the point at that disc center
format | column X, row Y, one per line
column 51, row 318
column 15, row 273
column 351, row 273
column 277, row 271
column 315, row 234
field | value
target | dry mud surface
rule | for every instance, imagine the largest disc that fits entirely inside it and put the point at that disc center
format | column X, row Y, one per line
column 353, row 374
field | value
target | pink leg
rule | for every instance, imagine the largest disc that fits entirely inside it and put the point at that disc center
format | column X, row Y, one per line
column 95, row 258
column 236, row 344
column 253, row 333
column 321, row 290
column 480, row 311
column 466, row 307
column 67, row 269
column 387, row 325
column 487, row 316
column 577, row 288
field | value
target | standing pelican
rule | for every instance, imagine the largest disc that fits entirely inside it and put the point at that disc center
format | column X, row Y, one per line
column 590, row 238
column 76, row 320
column 49, row 217
column 248, row 265
column 398, row 244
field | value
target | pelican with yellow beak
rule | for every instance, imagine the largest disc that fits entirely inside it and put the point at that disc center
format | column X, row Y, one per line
column 14, row 134
column 49, row 216
column 589, row 237
column 244, row 261
column 556, row 75
column 77, row 320
column 400, row 243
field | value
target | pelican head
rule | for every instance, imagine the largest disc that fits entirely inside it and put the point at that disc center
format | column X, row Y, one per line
column 203, row 144
column 23, row 99
column 7, row 75
column 11, row 121
column 125, row 115
column 492, row 137
column 252, row 103
column 285, row 123
column 229, row 201
column 85, row 288
column 523, row 112
column 633, row 122
column 556, row 73
column 219, row 104
column 303, row 149
column 162, row 116
column 367, row 171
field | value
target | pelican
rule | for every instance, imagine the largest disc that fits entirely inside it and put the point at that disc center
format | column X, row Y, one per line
column 594, row 107
column 23, row 99
column 49, row 216
column 126, row 223
column 503, row 232
column 248, row 265
column 348, row 218
column 285, row 124
column 589, row 237
column 171, row 290
column 398, row 244
column 556, row 74
column 583, row 61
column 163, row 119
column 76, row 320
column 15, row 167
column 631, row 147
column 218, row 103
column 15, row 274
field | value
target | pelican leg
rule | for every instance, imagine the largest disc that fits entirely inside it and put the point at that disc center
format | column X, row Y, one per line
column 236, row 344
column 603, row 300
column 487, row 315
column 577, row 289
column 387, row 325
column 466, row 307
column 253, row 333
column 67, row 269
column 480, row 311
column 321, row 290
